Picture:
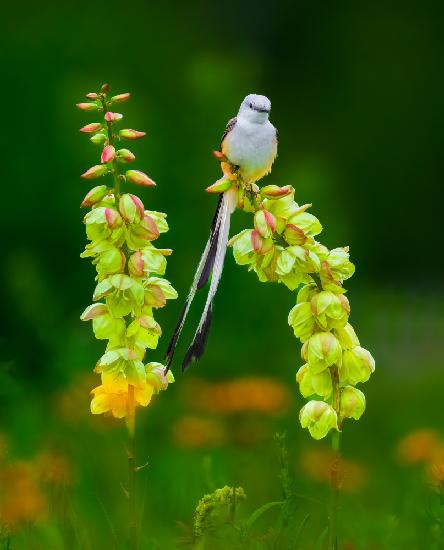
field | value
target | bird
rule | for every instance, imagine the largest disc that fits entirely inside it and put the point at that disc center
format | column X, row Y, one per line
column 248, row 148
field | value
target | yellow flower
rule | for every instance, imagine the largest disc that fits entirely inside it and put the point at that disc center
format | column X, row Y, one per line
column 112, row 397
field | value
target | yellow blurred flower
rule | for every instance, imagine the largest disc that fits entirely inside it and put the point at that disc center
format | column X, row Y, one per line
column 248, row 394
column 419, row 446
column 112, row 396
column 195, row 432
column 317, row 464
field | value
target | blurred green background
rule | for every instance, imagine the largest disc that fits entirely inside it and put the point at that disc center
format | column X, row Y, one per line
column 356, row 91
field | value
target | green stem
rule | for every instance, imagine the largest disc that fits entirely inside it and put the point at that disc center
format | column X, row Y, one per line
column 334, row 472
column 132, row 504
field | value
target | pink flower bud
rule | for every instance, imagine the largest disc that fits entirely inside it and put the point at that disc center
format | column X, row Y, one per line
column 113, row 218
column 108, row 154
column 119, row 98
column 276, row 192
column 131, row 134
column 92, row 95
column 95, row 172
column 219, row 156
column 94, row 196
column 256, row 240
column 87, row 106
column 113, row 117
column 90, row 128
column 136, row 265
column 125, row 155
column 94, row 311
column 265, row 222
column 139, row 178
column 131, row 208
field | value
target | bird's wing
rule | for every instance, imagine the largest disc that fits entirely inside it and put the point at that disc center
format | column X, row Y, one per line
column 230, row 125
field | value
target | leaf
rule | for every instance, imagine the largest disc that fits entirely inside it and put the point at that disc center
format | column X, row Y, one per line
column 299, row 532
column 258, row 513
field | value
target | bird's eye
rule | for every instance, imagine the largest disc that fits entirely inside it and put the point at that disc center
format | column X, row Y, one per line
column 251, row 105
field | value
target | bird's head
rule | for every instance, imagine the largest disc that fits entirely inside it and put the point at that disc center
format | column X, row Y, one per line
column 255, row 108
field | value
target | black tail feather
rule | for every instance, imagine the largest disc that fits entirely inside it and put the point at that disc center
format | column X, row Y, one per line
column 172, row 345
column 195, row 351
column 214, row 237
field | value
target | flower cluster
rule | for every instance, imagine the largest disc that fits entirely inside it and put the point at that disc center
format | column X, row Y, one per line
column 215, row 508
column 129, row 268
column 282, row 248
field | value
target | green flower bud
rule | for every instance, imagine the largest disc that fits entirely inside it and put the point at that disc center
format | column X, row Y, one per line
column 321, row 351
column 352, row 402
column 139, row 235
column 122, row 362
column 346, row 336
column 330, row 310
column 220, row 186
column 139, row 178
column 105, row 326
column 154, row 260
column 125, row 155
column 94, row 196
column 309, row 383
column 88, row 106
column 357, row 366
column 337, row 265
column 243, row 250
column 95, row 172
column 319, row 418
column 302, row 321
column 282, row 207
column 131, row 208
column 110, row 261
column 99, row 139
column 294, row 235
column 308, row 223
column 264, row 223
column 143, row 333
column 159, row 219
column 155, row 375
column 123, row 294
column 307, row 292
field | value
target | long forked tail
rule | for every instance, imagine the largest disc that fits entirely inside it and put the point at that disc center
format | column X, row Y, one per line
column 201, row 277
column 197, row 347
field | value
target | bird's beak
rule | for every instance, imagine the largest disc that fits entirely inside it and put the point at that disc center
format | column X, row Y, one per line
column 261, row 109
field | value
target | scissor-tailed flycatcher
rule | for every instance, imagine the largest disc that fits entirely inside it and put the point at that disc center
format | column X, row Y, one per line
column 248, row 148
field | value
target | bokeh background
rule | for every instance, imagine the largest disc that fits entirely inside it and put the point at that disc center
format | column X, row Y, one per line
column 356, row 91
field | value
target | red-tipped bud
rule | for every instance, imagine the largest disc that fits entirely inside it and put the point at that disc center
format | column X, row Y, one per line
column 105, row 88
column 94, row 196
column 131, row 134
column 95, row 172
column 256, row 240
column 99, row 139
column 87, row 106
column 276, row 192
column 220, row 186
column 294, row 235
column 120, row 98
column 219, row 156
column 139, row 178
column 94, row 311
column 92, row 95
column 131, row 208
column 265, row 223
column 113, row 218
column 113, row 117
column 150, row 228
column 125, row 155
column 108, row 154
column 90, row 128
column 136, row 265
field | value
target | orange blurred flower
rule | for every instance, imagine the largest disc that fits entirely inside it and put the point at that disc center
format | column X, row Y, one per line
column 21, row 499
column 54, row 468
column 419, row 446
column 248, row 394
column 195, row 431
column 317, row 464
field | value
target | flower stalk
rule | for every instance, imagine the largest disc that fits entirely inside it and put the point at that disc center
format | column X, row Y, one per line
column 129, row 281
column 282, row 248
